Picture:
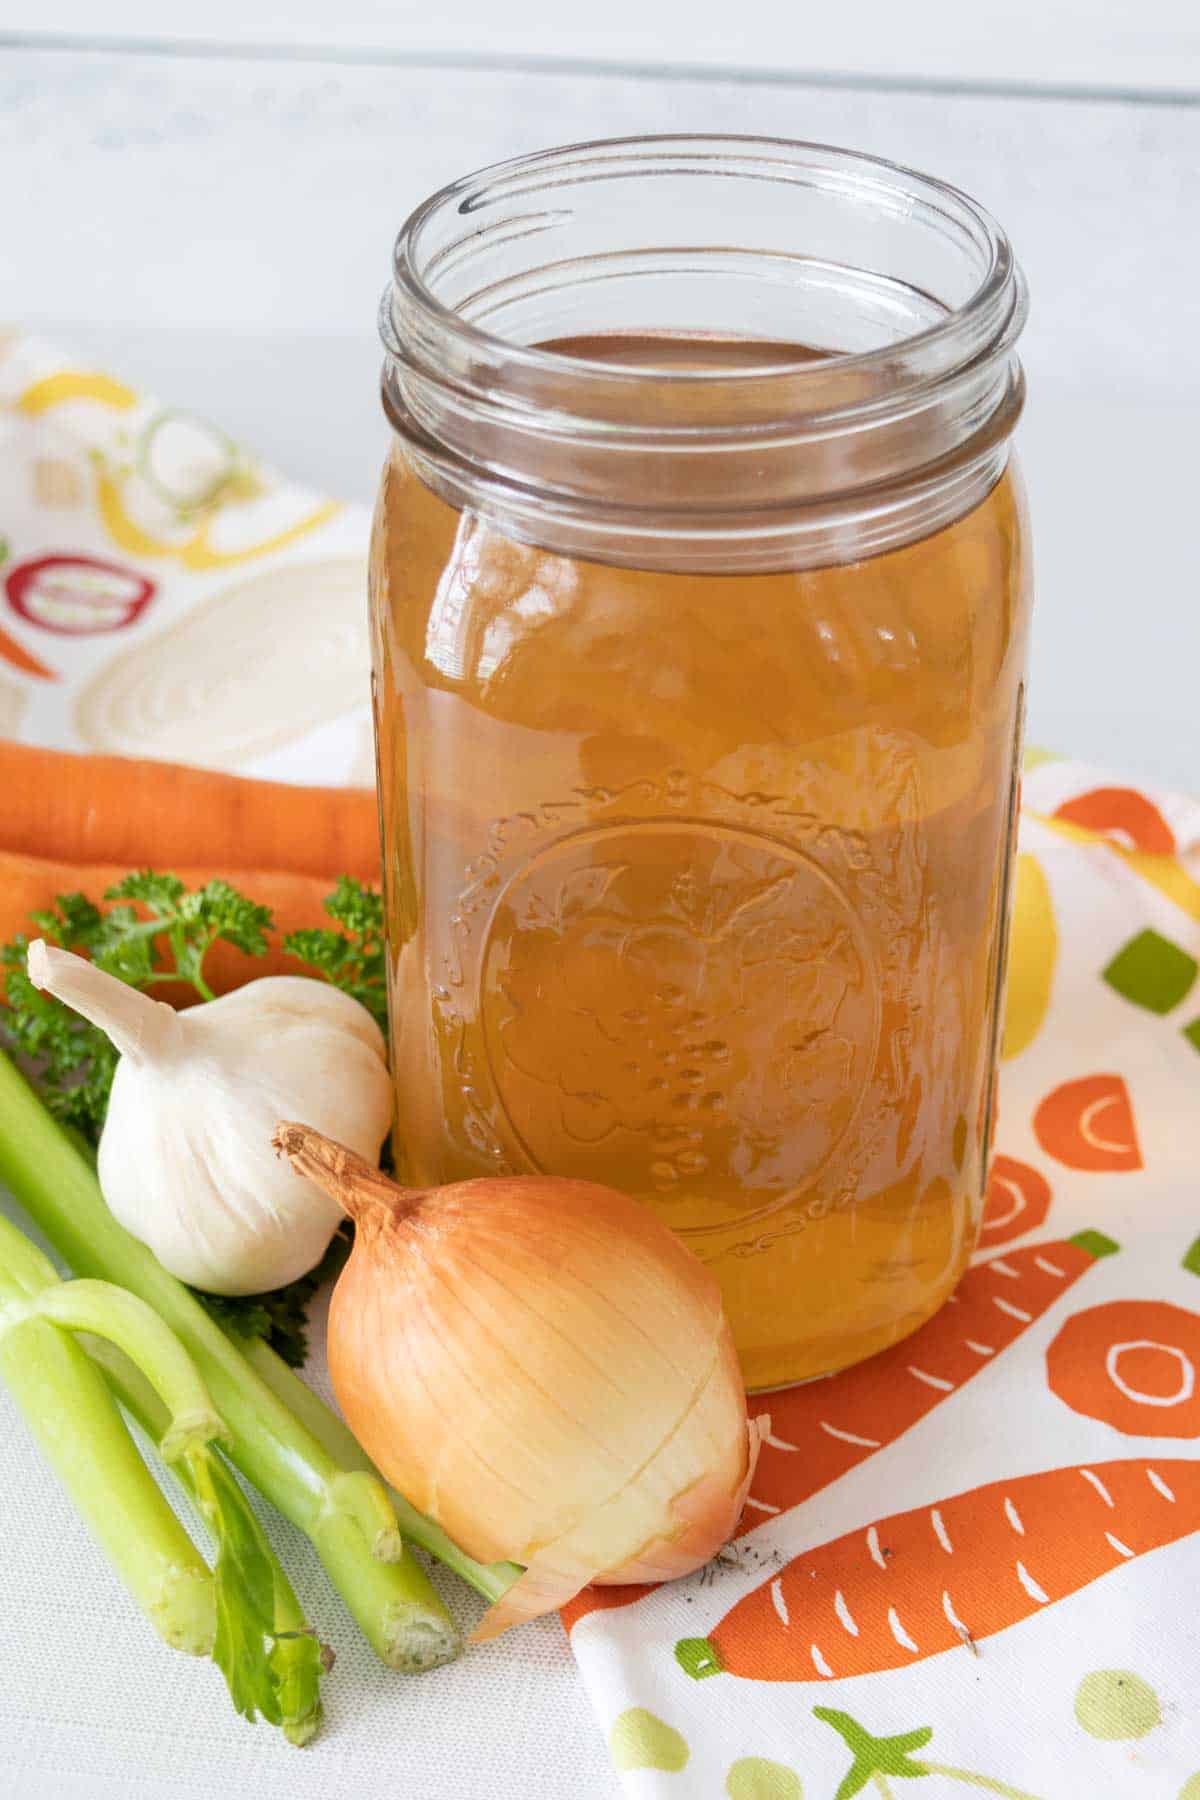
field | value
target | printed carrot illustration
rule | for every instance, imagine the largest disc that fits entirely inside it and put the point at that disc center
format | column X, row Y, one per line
column 1089, row 1124
column 823, row 1429
column 19, row 657
column 942, row 1576
column 1121, row 813
column 1131, row 1364
column 1018, row 1199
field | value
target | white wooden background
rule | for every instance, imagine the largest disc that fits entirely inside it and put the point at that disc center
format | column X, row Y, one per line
column 218, row 225
column 208, row 206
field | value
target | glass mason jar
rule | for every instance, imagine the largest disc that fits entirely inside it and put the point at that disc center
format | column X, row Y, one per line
column 700, row 588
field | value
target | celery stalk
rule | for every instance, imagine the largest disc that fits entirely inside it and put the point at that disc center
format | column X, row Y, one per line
column 74, row 1420
column 254, row 1629
column 295, row 1657
column 489, row 1579
column 345, row 1512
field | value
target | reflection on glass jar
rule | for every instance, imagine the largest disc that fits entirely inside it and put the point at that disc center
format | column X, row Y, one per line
column 698, row 666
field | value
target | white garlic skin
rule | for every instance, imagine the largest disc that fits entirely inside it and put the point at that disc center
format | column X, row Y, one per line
column 185, row 1160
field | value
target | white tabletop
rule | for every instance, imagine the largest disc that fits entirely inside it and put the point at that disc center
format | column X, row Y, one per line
column 217, row 227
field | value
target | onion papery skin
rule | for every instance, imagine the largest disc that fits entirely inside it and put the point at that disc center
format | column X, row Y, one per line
column 546, row 1370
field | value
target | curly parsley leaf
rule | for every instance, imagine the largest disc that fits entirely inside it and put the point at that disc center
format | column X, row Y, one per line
column 354, row 958
column 186, row 922
column 71, row 1061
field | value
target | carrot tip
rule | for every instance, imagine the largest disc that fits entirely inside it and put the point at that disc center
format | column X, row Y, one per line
column 698, row 1657
column 1097, row 1244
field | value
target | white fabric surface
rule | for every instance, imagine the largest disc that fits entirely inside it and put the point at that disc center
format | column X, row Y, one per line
column 94, row 1707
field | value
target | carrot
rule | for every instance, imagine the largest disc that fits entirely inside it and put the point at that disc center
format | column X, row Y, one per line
column 11, row 651
column 1123, row 814
column 1132, row 1364
column 823, row 1429
column 1018, row 1199
column 27, row 884
column 119, row 810
column 937, row 1577
column 1089, row 1124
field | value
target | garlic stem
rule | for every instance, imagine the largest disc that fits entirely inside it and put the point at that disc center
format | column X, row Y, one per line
column 360, row 1189
column 137, row 1026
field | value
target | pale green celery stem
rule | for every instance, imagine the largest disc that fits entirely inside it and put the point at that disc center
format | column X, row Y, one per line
column 124, row 1320
column 489, row 1579
column 344, row 1511
column 75, row 1422
column 145, row 1406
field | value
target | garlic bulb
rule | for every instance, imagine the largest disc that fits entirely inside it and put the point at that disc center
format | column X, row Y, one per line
column 542, row 1367
column 185, row 1158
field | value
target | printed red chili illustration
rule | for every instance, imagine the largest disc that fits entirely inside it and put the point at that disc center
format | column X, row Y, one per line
column 77, row 596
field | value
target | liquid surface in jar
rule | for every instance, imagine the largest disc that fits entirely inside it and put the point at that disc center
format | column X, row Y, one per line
column 696, row 886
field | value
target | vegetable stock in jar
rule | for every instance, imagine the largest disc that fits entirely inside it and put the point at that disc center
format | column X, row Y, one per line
column 700, row 591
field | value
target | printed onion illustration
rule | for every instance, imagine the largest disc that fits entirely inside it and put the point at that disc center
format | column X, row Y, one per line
column 1089, row 1124
column 1132, row 1364
column 77, row 596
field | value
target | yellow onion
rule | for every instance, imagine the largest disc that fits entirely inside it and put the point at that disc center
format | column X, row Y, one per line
column 542, row 1367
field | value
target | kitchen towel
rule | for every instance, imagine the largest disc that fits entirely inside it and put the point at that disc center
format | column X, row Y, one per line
column 968, row 1566
column 163, row 594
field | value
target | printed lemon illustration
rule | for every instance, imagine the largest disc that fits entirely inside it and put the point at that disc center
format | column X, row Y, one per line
column 675, row 1004
column 1033, row 949
column 1116, row 1704
column 641, row 1740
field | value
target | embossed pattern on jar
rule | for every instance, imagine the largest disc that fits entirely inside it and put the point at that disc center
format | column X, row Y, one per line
column 695, row 886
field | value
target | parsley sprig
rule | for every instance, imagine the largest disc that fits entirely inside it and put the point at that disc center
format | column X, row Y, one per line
column 353, row 958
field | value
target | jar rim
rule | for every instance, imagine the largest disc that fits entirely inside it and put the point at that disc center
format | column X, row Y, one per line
column 997, row 306
column 645, row 459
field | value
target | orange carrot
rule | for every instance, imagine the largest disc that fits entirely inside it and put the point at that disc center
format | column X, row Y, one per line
column 940, row 1576
column 27, row 884
column 1131, row 1364
column 1089, row 1124
column 119, row 810
column 11, row 651
column 823, row 1429
column 1018, row 1199
column 1123, row 814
